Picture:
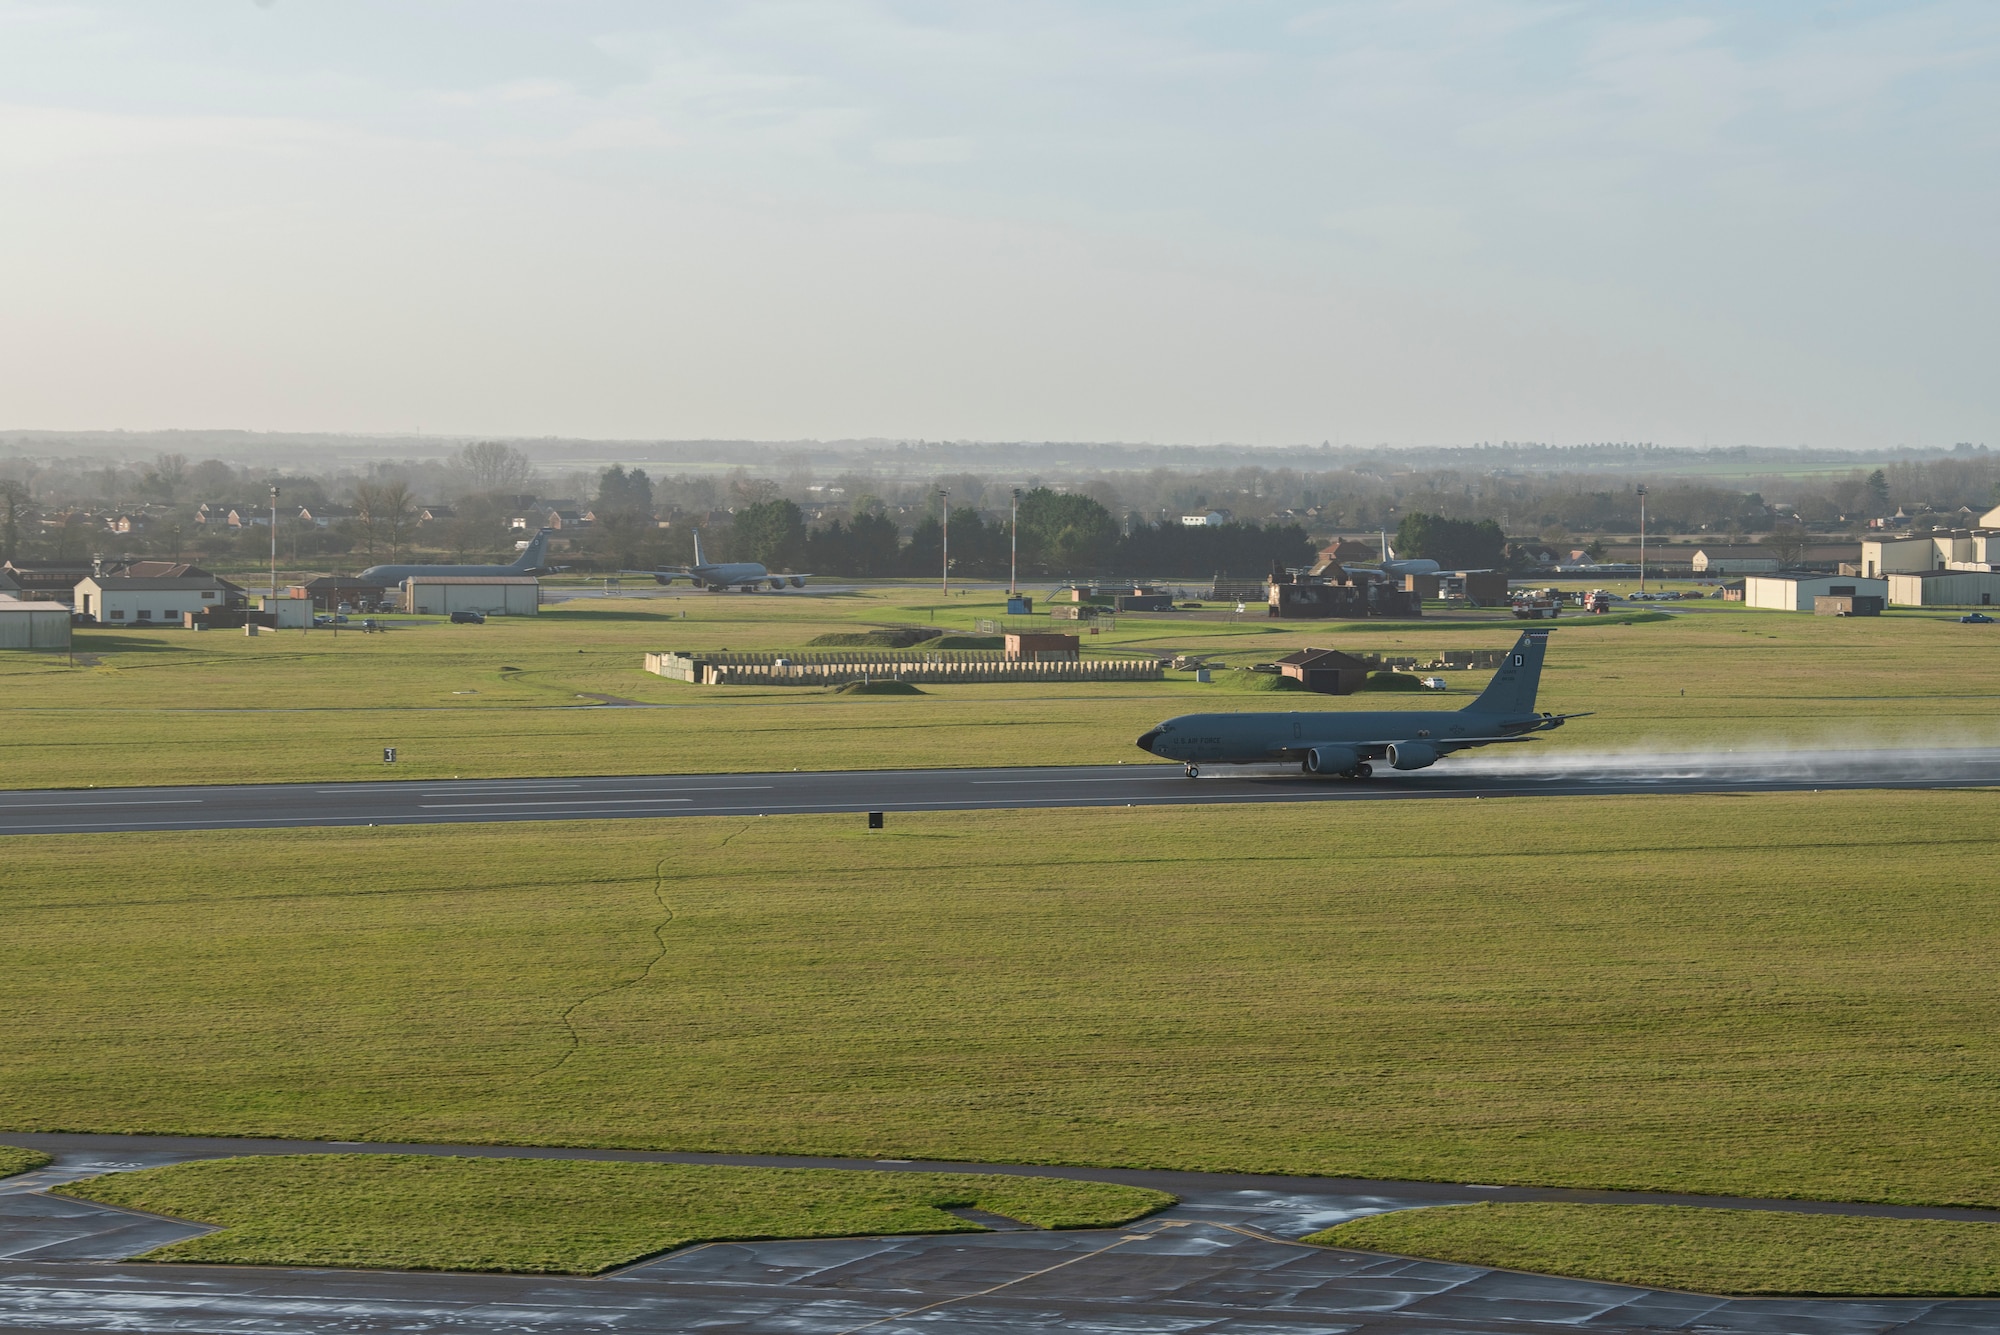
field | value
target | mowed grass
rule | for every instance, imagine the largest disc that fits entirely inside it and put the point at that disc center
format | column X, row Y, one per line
column 1778, row 995
column 1754, row 1252
column 14, row 1159
column 523, row 696
column 563, row 1216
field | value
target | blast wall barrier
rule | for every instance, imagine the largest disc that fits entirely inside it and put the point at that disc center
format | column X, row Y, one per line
column 781, row 670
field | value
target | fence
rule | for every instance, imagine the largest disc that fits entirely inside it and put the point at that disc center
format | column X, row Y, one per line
column 937, row 669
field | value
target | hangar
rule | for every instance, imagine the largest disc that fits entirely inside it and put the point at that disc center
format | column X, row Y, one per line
column 1945, row 588
column 491, row 595
column 1795, row 593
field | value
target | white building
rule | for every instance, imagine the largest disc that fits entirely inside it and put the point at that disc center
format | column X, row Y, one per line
column 1206, row 519
column 25, row 625
column 288, row 613
column 1795, row 593
column 492, row 595
column 1945, row 588
column 113, row 601
column 1941, row 549
column 1704, row 564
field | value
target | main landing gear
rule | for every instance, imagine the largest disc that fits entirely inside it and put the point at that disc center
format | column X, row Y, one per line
column 1193, row 770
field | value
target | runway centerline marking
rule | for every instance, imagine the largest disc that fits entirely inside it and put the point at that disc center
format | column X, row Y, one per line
column 131, row 802
column 1109, row 778
column 578, row 802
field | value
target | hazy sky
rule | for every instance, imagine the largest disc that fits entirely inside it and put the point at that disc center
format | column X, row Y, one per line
column 1384, row 221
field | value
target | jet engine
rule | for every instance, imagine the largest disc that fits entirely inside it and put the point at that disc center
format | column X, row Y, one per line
column 1412, row 755
column 777, row 583
column 1331, row 760
column 798, row 581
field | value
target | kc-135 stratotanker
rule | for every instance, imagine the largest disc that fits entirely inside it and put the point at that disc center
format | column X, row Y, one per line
column 1337, row 743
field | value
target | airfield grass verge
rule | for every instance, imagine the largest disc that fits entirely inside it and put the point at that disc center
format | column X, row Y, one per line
column 14, row 1159
column 1781, row 995
column 563, row 1216
column 1735, row 1252
column 535, row 696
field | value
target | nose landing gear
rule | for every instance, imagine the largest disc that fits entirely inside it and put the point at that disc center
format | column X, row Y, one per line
column 1193, row 770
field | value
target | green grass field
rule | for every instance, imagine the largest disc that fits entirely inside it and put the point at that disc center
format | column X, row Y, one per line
column 1753, row 1252
column 14, row 1159
column 1781, row 995
column 525, row 696
column 563, row 1216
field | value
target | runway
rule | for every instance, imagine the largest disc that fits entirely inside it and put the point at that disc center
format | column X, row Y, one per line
column 453, row 801
column 1225, row 1261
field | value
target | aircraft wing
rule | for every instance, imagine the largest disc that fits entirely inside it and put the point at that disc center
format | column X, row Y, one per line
column 1443, row 744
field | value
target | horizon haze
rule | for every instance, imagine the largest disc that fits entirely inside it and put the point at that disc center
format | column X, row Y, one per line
column 1370, row 223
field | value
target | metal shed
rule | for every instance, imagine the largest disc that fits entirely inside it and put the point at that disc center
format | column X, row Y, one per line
column 25, row 625
column 492, row 595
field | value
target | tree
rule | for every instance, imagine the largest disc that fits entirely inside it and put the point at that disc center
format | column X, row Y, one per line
column 386, row 515
column 167, row 476
column 1065, row 533
column 872, row 539
column 13, row 508
column 1456, row 544
column 772, row 533
column 623, row 493
column 1788, row 543
column 493, row 466
column 1878, row 491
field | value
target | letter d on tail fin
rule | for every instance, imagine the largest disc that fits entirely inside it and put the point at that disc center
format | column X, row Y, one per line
column 1512, row 690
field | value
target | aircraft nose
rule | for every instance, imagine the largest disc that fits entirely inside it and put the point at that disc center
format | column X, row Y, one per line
column 1145, row 743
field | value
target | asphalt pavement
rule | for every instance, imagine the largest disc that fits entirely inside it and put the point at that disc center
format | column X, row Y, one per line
column 454, row 801
column 1225, row 1261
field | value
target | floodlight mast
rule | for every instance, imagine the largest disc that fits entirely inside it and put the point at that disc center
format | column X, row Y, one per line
column 1013, row 543
column 1642, row 537
column 274, row 540
column 944, row 505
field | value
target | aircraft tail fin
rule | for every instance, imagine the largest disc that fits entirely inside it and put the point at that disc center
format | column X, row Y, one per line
column 531, row 557
column 1512, row 690
column 697, row 548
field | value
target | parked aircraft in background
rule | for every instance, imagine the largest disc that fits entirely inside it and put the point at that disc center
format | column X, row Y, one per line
column 718, row 577
column 529, row 562
column 1336, row 742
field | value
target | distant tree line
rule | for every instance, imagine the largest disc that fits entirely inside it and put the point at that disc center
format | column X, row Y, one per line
column 1061, row 534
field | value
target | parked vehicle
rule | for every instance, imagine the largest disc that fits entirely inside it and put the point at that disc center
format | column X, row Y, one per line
column 468, row 618
column 1975, row 619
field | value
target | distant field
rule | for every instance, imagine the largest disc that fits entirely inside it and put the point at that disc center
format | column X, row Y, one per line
column 1777, row 995
column 523, row 697
column 557, row 1216
column 1756, row 1252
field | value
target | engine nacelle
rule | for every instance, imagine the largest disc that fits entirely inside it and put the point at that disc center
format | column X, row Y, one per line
column 1412, row 755
column 798, row 581
column 1331, row 759
column 777, row 583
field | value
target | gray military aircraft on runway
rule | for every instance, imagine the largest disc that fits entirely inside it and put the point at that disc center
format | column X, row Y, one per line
column 1332, row 742
column 529, row 562
column 719, row 577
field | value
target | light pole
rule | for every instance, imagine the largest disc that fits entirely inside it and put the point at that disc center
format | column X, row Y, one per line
column 1642, row 538
column 274, row 540
column 944, row 504
column 1013, row 543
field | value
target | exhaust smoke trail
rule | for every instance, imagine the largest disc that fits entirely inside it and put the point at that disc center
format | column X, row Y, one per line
column 1777, row 763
